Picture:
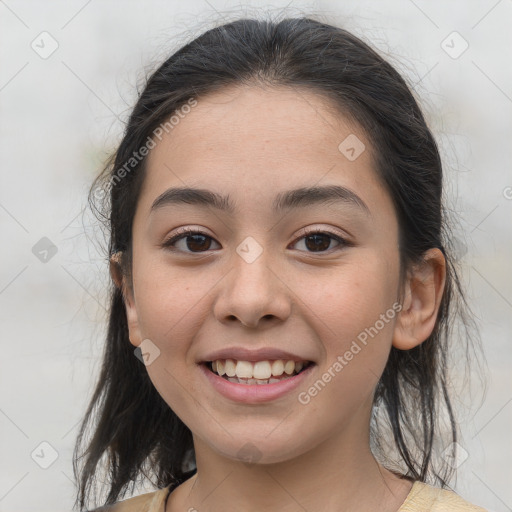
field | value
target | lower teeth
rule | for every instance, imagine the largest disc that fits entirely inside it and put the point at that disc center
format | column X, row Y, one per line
column 239, row 380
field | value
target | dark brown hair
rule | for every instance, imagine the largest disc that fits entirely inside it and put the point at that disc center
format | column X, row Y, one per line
column 134, row 433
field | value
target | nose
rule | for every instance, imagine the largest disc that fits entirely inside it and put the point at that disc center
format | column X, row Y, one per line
column 252, row 293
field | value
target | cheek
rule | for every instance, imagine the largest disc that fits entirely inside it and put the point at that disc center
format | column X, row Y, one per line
column 170, row 302
column 354, row 293
column 353, row 311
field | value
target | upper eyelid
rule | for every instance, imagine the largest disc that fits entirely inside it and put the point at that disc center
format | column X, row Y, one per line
column 303, row 232
column 328, row 231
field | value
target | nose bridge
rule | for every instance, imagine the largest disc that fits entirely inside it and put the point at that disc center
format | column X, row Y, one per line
column 253, row 272
column 252, row 289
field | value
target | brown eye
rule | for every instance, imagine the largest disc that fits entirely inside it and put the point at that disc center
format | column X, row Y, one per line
column 193, row 241
column 320, row 241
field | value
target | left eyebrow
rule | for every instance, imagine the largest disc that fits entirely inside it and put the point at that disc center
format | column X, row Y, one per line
column 288, row 200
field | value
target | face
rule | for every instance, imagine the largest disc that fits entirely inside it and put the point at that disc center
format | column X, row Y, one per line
column 255, row 276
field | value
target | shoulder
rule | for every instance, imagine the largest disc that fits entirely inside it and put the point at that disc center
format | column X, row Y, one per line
column 150, row 502
column 424, row 497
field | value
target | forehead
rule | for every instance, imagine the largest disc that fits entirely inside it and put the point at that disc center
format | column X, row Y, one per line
column 254, row 141
column 252, row 117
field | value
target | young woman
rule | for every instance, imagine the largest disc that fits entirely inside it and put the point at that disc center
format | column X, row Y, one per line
column 282, row 291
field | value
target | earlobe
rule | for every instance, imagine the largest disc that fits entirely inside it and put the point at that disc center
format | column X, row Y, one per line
column 133, row 322
column 128, row 298
column 423, row 294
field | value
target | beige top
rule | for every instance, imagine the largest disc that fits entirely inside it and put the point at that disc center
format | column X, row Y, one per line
column 421, row 498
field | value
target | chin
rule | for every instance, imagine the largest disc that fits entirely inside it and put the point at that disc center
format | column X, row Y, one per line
column 257, row 451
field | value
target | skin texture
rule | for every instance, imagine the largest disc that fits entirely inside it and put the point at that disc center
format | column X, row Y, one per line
column 253, row 142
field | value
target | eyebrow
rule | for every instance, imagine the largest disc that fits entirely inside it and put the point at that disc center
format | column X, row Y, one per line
column 288, row 200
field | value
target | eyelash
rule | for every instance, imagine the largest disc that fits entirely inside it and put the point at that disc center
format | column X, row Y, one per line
column 186, row 232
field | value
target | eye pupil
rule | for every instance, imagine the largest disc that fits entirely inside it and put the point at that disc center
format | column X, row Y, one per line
column 317, row 241
column 195, row 245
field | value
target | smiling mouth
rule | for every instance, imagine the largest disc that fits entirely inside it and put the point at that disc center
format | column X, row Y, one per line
column 279, row 371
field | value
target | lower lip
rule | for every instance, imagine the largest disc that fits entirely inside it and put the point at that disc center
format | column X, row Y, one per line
column 255, row 393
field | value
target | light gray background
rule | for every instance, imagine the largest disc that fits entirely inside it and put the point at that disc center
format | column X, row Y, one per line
column 61, row 115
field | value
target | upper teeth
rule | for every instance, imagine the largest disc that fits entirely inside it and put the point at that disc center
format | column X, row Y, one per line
column 257, row 370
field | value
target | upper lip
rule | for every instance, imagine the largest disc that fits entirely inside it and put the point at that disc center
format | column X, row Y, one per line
column 245, row 354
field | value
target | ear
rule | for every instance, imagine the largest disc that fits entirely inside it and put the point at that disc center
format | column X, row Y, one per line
column 423, row 293
column 120, row 282
column 115, row 269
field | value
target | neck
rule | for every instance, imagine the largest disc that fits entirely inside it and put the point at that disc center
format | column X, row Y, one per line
column 338, row 475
